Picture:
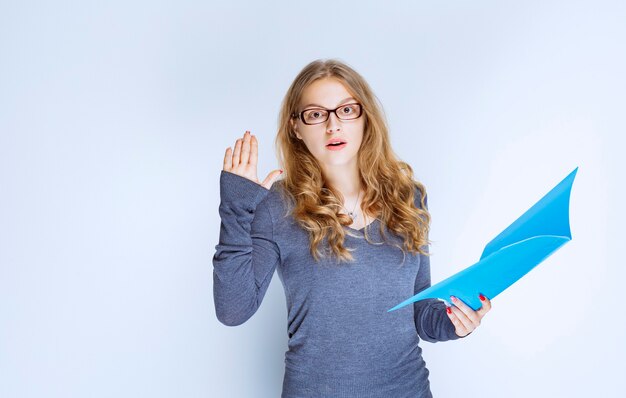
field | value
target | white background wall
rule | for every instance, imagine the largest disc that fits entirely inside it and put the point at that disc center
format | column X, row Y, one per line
column 114, row 118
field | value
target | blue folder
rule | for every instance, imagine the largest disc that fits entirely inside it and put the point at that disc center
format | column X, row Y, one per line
column 529, row 240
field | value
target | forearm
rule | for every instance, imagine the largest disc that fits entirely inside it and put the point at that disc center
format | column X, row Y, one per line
column 246, row 255
column 432, row 322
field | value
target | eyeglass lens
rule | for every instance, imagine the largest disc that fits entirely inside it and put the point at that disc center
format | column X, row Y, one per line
column 346, row 112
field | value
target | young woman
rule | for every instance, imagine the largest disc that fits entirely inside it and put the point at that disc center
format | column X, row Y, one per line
column 346, row 228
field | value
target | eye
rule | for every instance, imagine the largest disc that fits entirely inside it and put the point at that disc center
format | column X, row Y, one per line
column 314, row 114
column 348, row 109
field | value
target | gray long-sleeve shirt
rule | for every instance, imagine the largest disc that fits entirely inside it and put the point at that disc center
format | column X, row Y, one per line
column 342, row 340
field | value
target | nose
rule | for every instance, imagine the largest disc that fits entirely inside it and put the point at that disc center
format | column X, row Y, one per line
column 332, row 123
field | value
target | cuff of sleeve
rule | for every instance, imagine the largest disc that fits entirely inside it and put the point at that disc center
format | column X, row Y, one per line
column 241, row 191
column 450, row 329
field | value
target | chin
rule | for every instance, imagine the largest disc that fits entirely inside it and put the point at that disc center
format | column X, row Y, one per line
column 341, row 160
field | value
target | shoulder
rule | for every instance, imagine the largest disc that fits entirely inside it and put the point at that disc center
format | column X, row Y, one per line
column 419, row 192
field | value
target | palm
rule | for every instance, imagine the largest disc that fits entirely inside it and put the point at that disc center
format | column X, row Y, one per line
column 243, row 161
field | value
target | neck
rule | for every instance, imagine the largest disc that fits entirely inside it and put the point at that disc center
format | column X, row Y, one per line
column 347, row 181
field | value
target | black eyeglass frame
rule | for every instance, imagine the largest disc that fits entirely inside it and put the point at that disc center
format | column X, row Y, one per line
column 301, row 114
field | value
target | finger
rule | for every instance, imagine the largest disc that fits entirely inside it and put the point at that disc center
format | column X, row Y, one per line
column 245, row 148
column 237, row 153
column 486, row 305
column 228, row 159
column 464, row 321
column 254, row 150
column 269, row 180
column 469, row 312
column 460, row 328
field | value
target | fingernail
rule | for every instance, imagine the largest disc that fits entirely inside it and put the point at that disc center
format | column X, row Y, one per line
column 449, row 310
column 281, row 172
column 453, row 298
column 482, row 298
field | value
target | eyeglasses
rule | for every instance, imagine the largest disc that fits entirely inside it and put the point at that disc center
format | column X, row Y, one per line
column 320, row 115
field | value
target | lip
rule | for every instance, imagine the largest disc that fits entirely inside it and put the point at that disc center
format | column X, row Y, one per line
column 333, row 140
column 337, row 148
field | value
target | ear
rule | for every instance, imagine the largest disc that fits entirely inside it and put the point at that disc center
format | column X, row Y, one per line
column 294, row 126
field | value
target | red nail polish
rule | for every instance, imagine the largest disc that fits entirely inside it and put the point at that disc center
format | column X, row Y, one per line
column 482, row 298
column 281, row 172
column 449, row 310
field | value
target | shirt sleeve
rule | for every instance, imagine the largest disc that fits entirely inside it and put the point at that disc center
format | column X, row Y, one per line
column 246, row 255
column 431, row 320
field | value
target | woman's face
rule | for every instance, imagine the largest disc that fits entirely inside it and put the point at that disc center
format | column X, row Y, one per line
column 330, row 93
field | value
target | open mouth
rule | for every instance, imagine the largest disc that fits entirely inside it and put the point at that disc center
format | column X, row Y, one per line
column 336, row 146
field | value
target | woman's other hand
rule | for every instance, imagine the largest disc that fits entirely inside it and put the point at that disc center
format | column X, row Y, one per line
column 244, row 160
column 464, row 318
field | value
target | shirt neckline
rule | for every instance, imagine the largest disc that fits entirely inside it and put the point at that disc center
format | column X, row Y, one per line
column 363, row 228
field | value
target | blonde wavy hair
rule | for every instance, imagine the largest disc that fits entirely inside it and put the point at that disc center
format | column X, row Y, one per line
column 388, row 181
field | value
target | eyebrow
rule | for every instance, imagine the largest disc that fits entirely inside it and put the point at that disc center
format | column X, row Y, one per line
column 341, row 102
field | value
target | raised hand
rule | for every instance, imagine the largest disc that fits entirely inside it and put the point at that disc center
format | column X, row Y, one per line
column 464, row 318
column 244, row 160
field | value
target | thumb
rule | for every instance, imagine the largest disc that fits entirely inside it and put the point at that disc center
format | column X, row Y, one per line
column 271, row 178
